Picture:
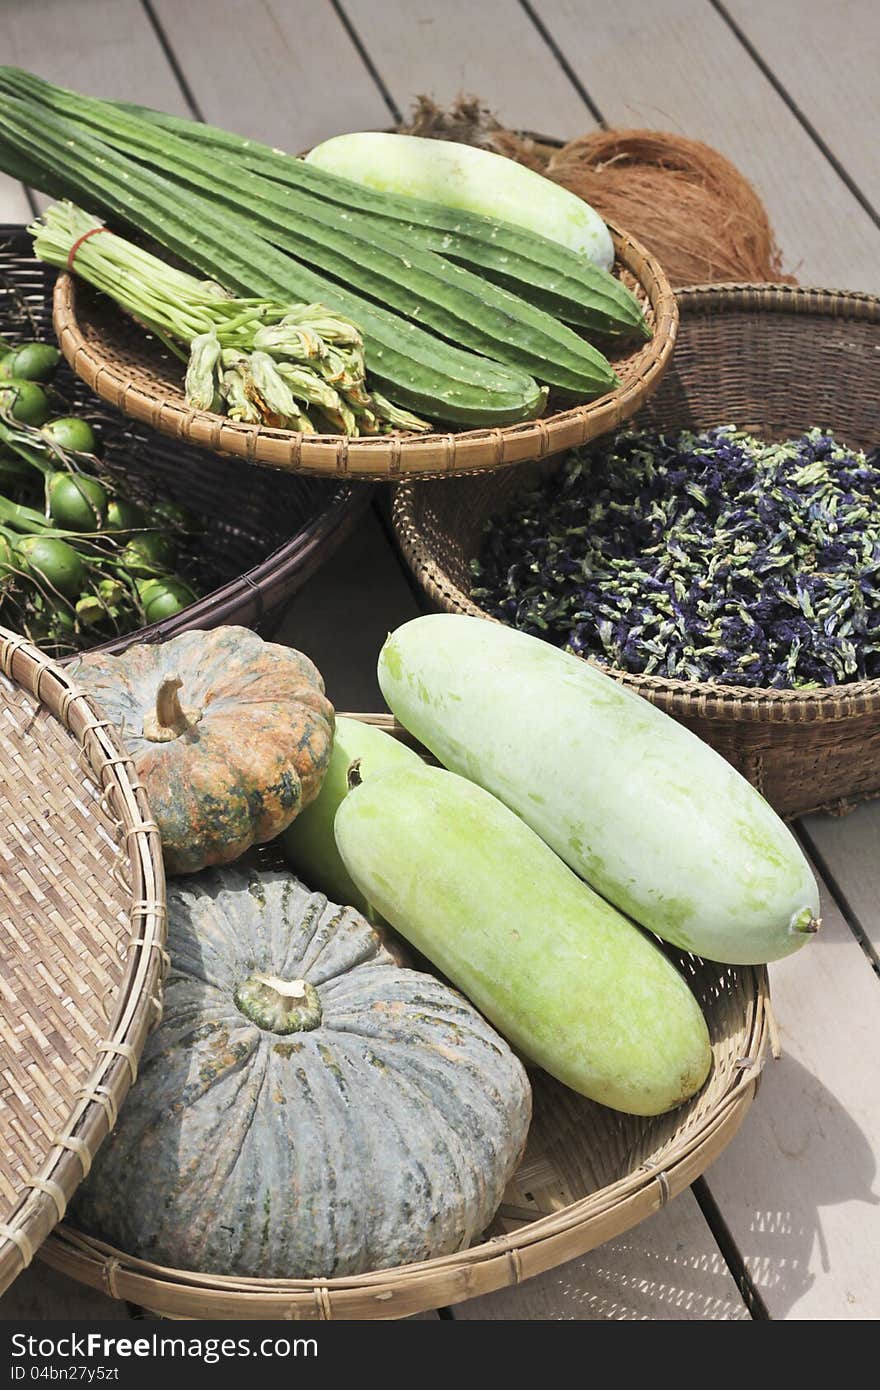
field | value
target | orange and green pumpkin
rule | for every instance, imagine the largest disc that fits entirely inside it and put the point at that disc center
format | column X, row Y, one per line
column 306, row 1108
column 230, row 735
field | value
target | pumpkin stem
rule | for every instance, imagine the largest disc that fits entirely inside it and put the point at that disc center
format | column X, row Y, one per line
column 279, row 1006
column 170, row 719
column 354, row 778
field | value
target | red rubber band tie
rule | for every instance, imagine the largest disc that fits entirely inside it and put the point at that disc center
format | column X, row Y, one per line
column 93, row 231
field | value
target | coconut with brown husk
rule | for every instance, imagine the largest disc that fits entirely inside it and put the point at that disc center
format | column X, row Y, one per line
column 681, row 198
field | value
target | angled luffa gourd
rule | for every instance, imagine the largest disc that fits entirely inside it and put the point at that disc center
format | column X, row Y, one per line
column 306, row 1108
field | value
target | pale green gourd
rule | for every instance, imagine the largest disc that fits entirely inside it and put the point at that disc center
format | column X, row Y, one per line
column 562, row 975
column 469, row 178
column 653, row 818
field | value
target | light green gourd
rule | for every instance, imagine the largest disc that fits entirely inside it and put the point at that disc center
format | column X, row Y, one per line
column 562, row 975
column 469, row 178
column 653, row 818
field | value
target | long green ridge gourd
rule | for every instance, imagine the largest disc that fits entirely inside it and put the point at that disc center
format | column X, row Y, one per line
column 561, row 974
column 649, row 815
column 444, row 296
column 540, row 270
column 465, row 308
column 546, row 273
column 308, row 844
column 415, row 368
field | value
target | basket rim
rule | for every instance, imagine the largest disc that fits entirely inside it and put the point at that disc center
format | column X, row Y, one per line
column 136, row 1006
column 494, row 1263
column 389, row 457
column 774, row 297
column 689, row 699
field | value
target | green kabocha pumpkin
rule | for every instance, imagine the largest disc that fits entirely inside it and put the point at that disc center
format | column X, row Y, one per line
column 230, row 735
column 306, row 1108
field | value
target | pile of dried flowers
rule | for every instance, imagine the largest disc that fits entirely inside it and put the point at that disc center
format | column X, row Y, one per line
column 713, row 556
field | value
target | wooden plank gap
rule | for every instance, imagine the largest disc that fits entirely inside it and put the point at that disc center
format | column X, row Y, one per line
column 166, row 47
column 564, row 63
column 348, row 26
column 492, row 53
column 721, row 9
column 729, row 1250
column 839, row 894
column 271, row 84
column 15, row 202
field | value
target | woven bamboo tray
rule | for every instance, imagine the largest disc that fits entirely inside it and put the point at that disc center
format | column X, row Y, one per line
column 588, row 1174
column 133, row 372
column 82, row 922
column 264, row 533
column 772, row 359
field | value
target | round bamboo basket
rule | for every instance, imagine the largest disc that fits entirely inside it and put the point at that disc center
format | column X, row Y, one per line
column 773, row 359
column 82, row 926
column 588, row 1174
column 131, row 370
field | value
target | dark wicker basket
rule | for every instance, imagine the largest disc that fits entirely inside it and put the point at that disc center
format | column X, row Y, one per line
column 263, row 532
column 773, row 359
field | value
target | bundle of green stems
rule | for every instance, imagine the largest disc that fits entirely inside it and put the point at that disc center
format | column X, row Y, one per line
column 291, row 366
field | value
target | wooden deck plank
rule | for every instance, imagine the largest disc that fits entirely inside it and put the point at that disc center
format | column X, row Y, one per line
column 668, row 1268
column 111, row 50
column 850, row 31
column 14, row 206
column 42, row 1293
column 343, row 615
column 849, row 847
column 798, row 1186
column 282, row 73
column 108, row 49
column 678, row 66
column 489, row 50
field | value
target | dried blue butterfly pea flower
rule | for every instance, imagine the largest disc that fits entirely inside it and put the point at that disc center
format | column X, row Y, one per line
column 678, row 536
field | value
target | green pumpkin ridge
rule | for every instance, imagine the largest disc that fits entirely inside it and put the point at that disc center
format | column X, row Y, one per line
column 385, row 1135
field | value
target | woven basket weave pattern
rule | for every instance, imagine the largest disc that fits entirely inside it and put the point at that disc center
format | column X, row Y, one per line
column 82, row 922
column 776, row 360
column 117, row 360
column 588, row 1174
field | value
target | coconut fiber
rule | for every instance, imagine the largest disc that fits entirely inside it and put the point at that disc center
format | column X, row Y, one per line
column 683, row 200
